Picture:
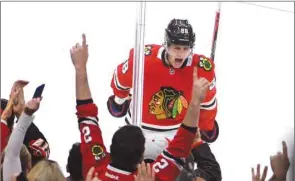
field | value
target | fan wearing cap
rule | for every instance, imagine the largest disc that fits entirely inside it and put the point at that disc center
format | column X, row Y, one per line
column 167, row 88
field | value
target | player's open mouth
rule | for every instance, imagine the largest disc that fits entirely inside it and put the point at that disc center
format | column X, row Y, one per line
column 178, row 61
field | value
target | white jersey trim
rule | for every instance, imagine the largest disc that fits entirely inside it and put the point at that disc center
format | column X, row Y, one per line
column 4, row 122
column 189, row 60
column 118, row 170
column 92, row 118
column 128, row 117
column 160, row 127
column 160, row 51
column 117, row 83
column 210, row 104
column 89, row 122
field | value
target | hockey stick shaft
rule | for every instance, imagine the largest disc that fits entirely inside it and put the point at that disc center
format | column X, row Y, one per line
column 215, row 32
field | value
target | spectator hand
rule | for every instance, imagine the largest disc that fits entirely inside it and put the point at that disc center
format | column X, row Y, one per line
column 90, row 174
column 32, row 106
column 19, row 100
column 144, row 173
column 8, row 111
column 280, row 164
column 79, row 54
column 256, row 177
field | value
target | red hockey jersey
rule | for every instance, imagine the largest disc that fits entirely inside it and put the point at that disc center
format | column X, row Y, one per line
column 94, row 151
column 5, row 132
column 167, row 91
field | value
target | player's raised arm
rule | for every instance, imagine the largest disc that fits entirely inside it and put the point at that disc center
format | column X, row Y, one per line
column 92, row 146
column 121, row 84
column 200, row 87
column 79, row 56
column 181, row 144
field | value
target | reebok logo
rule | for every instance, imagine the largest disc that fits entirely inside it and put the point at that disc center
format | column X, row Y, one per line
column 112, row 176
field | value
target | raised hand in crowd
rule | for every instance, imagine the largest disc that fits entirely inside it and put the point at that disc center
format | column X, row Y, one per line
column 256, row 176
column 19, row 100
column 280, row 164
column 8, row 111
column 79, row 54
column 32, row 106
column 144, row 172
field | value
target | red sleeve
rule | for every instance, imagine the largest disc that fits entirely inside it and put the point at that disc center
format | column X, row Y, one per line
column 4, row 134
column 166, row 165
column 92, row 146
column 122, row 77
column 209, row 106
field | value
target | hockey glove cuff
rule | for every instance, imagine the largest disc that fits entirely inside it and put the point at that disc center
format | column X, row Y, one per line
column 212, row 135
column 117, row 110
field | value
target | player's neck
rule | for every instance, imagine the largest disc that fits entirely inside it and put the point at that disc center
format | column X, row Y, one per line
column 124, row 166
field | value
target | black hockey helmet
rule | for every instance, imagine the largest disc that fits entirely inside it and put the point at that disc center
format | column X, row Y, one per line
column 180, row 32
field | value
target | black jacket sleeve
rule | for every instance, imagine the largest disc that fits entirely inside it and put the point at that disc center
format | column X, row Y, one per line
column 208, row 167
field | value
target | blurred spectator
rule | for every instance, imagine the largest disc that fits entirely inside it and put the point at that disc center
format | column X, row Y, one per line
column 279, row 164
column 74, row 165
column 46, row 170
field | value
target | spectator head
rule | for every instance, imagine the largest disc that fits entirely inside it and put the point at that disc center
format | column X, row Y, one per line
column 46, row 170
column 127, row 148
column 74, row 165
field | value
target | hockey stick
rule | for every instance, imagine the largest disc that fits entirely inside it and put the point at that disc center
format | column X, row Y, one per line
column 213, row 48
column 215, row 32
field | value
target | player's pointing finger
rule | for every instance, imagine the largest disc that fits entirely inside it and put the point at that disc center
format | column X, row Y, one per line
column 83, row 40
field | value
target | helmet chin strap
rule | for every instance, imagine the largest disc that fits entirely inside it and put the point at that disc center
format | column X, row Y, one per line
column 167, row 58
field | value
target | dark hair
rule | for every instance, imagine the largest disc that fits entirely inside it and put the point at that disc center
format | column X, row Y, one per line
column 127, row 147
column 74, row 165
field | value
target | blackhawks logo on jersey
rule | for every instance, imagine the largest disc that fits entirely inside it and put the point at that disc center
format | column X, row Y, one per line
column 167, row 103
column 148, row 50
column 98, row 152
column 205, row 64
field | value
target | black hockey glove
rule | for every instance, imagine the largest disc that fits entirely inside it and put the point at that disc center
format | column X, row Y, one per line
column 210, row 136
column 117, row 110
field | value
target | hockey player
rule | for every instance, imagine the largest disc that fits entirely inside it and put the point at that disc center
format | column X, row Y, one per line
column 128, row 143
column 167, row 87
